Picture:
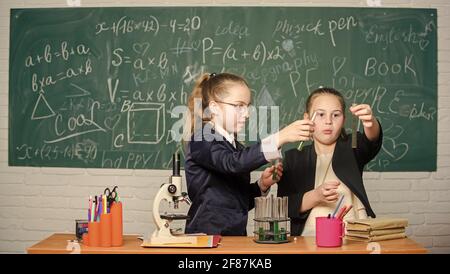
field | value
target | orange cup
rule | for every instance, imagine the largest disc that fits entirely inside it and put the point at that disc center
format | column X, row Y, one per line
column 117, row 224
column 94, row 233
column 105, row 230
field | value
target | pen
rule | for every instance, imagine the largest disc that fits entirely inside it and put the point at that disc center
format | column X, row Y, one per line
column 97, row 206
column 92, row 212
column 105, row 208
column 100, row 207
column 95, row 209
column 338, row 205
column 341, row 212
column 90, row 209
column 346, row 211
column 301, row 143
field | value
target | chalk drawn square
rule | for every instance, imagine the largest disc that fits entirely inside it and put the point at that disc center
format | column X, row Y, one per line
column 146, row 123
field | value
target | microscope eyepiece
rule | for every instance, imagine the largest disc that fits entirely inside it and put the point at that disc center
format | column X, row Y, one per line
column 176, row 164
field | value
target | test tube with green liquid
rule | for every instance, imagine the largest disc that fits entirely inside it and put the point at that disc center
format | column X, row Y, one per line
column 275, row 173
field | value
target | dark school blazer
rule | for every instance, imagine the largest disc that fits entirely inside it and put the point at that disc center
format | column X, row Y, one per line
column 299, row 172
column 218, row 182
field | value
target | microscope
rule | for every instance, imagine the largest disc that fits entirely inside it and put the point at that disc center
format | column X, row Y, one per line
column 171, row 192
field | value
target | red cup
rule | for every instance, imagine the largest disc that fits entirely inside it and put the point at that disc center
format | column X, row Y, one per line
column 329, row 232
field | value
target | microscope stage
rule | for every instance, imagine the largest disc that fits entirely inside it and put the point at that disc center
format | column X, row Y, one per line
column 174, row 217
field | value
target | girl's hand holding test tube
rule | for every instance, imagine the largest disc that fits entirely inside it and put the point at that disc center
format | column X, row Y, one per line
column 275, row 164
column 310, row 136
column 364, row 113
column 267, row 176
column 299, row 130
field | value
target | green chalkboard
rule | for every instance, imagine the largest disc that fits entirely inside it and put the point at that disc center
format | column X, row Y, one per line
column 104, row 87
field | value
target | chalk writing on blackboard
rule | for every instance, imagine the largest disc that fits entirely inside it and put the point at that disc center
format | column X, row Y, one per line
column 108, row 87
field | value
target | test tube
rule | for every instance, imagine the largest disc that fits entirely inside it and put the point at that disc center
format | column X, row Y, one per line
column 285, row 204
column 268, row 215
column 270, row 207
column 280, row 207
column 257, row 207
column 263, row 216
column 354, row 128
column 275, row 173
column 301, row 143
column 276, row 219
column 258, row 225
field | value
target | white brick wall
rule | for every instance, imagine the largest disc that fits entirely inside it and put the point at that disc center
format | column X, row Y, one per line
column 36, row 202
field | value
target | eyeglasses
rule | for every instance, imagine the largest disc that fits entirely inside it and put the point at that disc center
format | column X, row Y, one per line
column 321, row 115
column 240, row 108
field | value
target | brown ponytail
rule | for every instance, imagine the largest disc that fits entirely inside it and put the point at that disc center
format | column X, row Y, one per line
column 208, row 87
column 196, row 94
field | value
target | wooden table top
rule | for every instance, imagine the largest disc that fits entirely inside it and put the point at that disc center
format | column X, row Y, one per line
column 61, row 243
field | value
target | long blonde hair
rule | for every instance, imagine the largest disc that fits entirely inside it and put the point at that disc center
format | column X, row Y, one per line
column 209, row 87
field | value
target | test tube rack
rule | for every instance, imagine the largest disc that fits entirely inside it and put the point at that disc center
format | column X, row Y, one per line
column 271, row 220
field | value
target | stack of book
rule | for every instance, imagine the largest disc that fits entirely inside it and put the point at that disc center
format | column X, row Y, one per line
column 377, row 229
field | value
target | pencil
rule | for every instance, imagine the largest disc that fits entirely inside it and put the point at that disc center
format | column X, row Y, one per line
column 90, row 209
column 341, row 212
column 105, row 209
column 338, row 206
column 346, row 211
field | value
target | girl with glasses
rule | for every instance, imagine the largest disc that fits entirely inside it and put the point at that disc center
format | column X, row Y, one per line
column 218, row 166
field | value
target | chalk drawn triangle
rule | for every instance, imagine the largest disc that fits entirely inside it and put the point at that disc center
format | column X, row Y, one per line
column 42, row 109
column 80, row 94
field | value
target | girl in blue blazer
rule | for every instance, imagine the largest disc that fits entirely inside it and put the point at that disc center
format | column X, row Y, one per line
column 218, row 166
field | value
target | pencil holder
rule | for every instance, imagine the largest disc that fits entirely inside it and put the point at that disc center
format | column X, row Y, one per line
column 105, row 230
column 81, row 227
column 329, row 232
column 117, row 224
column 94, row 233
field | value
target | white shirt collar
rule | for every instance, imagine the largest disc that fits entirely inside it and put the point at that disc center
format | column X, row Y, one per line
column 229, row 137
